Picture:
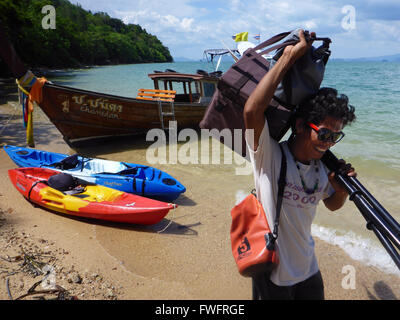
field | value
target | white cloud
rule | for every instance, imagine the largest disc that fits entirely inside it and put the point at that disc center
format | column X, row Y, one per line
column 310, row 25
column 202, row 24
column 187, row 24
column 152, row 20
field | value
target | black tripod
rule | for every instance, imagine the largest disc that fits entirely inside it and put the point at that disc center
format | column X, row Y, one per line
column 385, row 227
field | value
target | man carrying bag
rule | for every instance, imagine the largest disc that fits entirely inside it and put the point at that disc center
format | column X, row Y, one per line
column 317, row 126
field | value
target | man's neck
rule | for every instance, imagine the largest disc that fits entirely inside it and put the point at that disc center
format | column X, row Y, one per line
column 297, row 150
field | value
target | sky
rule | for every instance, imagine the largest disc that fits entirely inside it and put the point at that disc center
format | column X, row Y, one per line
column 360, row 28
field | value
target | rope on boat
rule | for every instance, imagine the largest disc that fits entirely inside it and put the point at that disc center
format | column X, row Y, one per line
column 169, row 223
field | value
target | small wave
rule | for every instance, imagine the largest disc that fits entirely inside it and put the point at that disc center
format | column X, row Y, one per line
column 358, row 248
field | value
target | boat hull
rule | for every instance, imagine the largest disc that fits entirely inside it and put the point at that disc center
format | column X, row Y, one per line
column 81, row 114
column 95, row 202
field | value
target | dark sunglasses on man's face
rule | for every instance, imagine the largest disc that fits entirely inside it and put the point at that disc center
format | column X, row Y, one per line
column 327, row 135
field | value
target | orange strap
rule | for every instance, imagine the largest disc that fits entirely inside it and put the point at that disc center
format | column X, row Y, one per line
column 35, row 93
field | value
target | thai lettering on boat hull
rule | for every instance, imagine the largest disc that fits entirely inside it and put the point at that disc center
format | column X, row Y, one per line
column 99, row 112
column 99, row 103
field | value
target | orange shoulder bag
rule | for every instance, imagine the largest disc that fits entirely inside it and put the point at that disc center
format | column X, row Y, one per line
column 253, row 243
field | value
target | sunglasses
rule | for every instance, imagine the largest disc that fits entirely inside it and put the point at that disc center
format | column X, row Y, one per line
column 327, row 135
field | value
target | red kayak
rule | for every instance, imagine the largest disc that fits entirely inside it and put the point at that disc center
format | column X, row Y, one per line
column 63, row 193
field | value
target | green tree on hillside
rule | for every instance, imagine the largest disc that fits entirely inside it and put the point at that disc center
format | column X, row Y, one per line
column 80, row 37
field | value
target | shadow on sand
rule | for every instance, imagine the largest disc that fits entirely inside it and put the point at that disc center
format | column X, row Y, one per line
column 382, row 292
column 165, row 226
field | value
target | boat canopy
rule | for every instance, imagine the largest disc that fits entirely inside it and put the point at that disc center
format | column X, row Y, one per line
column 193, row 88
column 218, row 52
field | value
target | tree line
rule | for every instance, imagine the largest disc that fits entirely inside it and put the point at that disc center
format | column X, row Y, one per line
column 80, row 38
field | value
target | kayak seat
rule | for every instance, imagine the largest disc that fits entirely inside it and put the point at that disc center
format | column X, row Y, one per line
column 133, row 171
column 66, row 183
column 137, row 172
column 67, row 163
column 62, row 182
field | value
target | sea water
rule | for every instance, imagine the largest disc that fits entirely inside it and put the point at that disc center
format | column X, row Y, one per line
column 371, row 144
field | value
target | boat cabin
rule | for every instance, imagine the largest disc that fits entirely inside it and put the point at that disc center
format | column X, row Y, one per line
column 191, row 88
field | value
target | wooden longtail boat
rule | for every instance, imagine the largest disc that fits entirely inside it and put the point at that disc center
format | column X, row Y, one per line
column 81, row 114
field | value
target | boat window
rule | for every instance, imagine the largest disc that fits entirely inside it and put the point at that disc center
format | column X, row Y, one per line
column 209, row 88
column 187, row 90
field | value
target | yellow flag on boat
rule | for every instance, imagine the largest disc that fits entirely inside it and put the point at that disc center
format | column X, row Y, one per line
column 241, row 36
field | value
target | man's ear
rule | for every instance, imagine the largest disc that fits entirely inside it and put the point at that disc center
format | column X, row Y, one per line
column 299, row 125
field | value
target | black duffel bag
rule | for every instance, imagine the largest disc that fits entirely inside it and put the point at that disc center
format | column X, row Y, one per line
column 303, row 80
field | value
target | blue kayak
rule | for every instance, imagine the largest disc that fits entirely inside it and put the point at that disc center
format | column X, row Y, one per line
column 128, row 177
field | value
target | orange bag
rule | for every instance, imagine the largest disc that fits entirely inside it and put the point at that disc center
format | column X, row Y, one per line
column 253, row 243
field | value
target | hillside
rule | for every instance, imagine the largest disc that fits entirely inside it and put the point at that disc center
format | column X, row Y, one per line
column 389, row 58
column 81, row 37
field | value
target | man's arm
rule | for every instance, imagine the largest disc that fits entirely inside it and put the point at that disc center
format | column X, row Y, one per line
column 260, row 98
column 337, row 200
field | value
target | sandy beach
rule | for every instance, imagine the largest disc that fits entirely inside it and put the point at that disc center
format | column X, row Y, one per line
column 189, row 260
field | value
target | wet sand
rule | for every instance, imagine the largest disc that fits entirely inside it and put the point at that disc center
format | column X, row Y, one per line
column 190, row 259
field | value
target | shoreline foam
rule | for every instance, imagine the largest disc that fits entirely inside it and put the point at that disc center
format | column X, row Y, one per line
column 358, row 248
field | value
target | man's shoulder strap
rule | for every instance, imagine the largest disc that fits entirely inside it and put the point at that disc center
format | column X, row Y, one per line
column 281, row 188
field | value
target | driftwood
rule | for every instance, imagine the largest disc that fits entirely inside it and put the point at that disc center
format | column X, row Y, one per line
column 8, row 288
column 62, row 294
column 31, row 265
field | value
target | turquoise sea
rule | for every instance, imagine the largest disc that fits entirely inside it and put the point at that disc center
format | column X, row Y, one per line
column 371, row 144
